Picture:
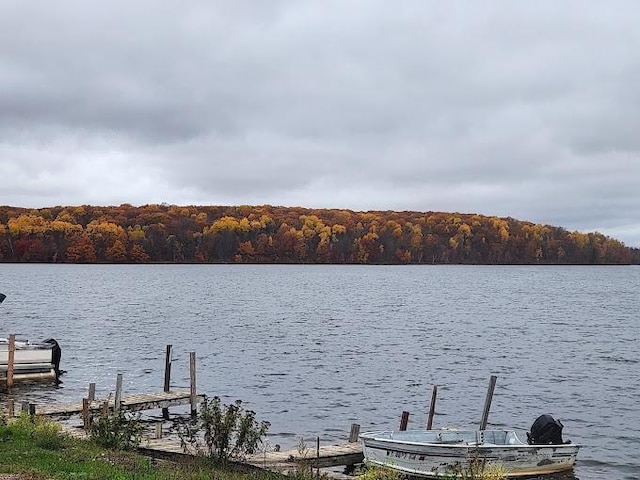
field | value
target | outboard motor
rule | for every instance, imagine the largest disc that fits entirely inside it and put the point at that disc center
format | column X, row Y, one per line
column 546, row 430
column 57, row 353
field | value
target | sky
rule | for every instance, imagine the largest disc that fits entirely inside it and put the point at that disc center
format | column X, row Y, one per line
column 505, row 108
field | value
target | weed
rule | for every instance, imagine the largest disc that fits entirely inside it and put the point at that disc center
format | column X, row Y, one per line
column 44, row 433
column 378, row 473
column 304, row 468
column 477, row 469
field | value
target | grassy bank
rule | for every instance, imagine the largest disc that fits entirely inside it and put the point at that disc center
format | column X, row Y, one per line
column 39, row 451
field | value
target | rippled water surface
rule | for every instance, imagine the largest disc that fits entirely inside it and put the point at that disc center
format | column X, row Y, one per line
column 314, row 349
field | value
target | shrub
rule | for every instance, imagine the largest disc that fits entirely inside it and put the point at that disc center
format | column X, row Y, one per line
column 117, row 430
column 229, row 431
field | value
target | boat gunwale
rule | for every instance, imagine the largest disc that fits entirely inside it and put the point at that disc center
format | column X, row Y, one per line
column 368, row 436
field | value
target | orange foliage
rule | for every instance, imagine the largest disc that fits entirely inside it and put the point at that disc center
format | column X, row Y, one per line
column 267, row 234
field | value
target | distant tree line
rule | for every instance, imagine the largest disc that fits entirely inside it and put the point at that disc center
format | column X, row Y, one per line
column 268, row 234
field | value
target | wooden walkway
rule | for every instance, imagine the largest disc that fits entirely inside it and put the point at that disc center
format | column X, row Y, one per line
column 133, row 403
column 285, row 462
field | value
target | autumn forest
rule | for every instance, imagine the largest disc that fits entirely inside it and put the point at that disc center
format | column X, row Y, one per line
column 268, row 234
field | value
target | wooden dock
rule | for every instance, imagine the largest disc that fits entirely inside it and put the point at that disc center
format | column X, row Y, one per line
column 132, row 403
column 286, row 462
column 154, row 444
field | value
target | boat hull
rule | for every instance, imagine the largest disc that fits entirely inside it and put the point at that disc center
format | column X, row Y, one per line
column 430, row 459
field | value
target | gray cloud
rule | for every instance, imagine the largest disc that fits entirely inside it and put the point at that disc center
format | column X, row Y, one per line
column 501, row 108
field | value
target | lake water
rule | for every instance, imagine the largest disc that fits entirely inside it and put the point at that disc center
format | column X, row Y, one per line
column 313, row 349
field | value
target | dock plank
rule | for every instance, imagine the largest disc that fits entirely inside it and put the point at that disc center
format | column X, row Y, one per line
column 329, row 456
column 283, row 461
column 132, row 403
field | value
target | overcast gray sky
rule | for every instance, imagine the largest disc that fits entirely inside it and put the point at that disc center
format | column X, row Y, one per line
column 521, row 109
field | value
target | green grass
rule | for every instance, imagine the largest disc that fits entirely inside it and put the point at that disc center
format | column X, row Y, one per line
column 38, row 451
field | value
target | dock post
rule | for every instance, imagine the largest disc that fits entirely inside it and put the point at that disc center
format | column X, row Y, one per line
column 12, row 408
column 10, row 360
column 32, row 412
column 86, row 422
column 432, row 407
column 404, row 421
column 118, row 400
column 355, row 432
column 487, row 402
column 167, row 379
column 192, row 377
column 318, row 458
column 92, row 392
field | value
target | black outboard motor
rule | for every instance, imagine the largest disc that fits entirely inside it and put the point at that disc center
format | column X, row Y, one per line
column 546, row 430
column 57, row 353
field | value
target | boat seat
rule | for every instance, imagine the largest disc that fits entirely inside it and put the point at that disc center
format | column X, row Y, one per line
column 512, row 439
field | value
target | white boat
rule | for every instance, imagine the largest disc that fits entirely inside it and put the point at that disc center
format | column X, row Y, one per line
column 435, row 453
column 31, row 361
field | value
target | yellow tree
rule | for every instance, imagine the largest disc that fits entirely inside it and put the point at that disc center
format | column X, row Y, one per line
column 415, row 241
column 104, row 236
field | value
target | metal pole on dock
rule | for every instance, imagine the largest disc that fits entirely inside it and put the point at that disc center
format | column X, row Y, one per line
column 318, row 458
column 92, row 392
column 192, row 376
column 167, row 379
column 432, row 407
column 487, row 402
